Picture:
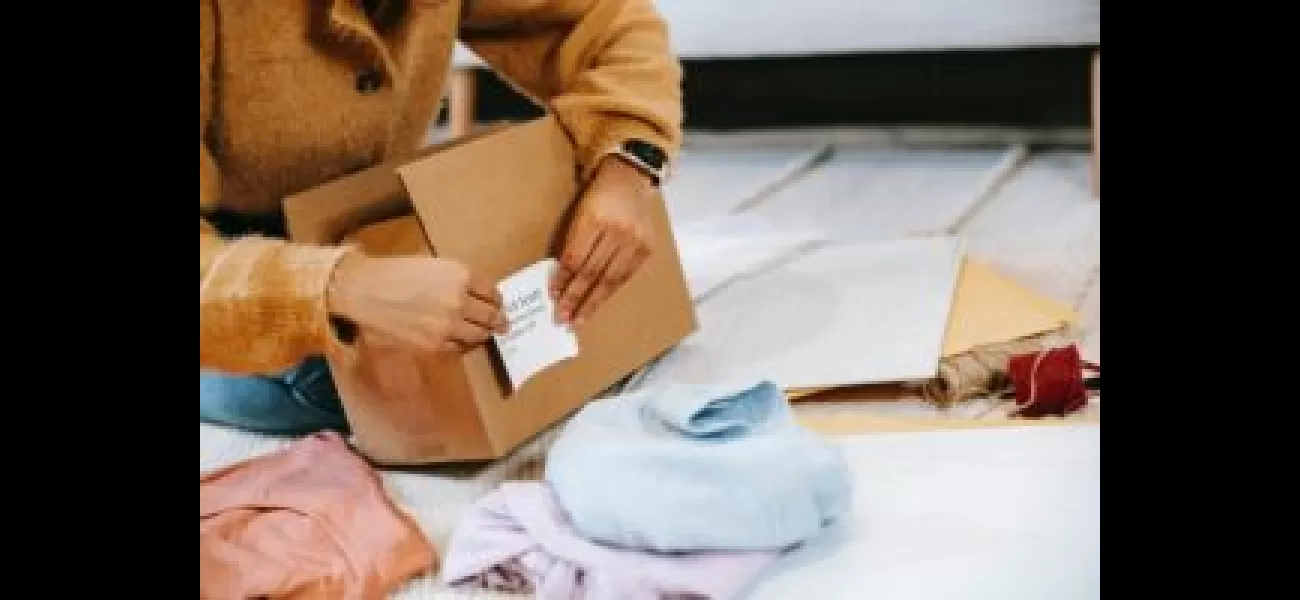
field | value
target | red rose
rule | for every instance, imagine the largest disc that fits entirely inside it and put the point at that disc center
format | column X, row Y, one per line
column 1049, row 382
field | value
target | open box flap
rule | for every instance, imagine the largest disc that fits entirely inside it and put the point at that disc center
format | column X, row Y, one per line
column 526, row 172
column 328, row 213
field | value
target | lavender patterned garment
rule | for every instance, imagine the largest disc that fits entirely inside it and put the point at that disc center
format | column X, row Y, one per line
column 518, row 539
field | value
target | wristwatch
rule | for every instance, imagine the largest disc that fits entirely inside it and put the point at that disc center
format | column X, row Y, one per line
column 646, row 157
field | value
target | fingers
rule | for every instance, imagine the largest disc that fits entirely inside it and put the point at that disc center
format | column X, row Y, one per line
column 454, row 346
column 582, row 240
column 485, row 315
column 587, row 276
column 375, row 338
column 481, row 315
column 484, row 290
column 478, row 321
column 628, row 259
column 468, row 335
column 598, row 294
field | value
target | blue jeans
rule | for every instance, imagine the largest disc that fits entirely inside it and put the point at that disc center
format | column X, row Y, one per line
column 299, row 401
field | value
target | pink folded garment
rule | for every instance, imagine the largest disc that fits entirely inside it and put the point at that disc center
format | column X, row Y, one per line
column 518, row 539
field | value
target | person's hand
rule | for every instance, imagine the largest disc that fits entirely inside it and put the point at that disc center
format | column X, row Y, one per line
column 607, row 242
column 425, row 302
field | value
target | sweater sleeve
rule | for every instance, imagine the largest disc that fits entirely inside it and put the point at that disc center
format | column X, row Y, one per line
column 604, row 67
column 261, row 301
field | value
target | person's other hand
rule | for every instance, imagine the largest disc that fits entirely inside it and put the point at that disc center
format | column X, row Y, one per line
column 607, row 242
column 428, row 303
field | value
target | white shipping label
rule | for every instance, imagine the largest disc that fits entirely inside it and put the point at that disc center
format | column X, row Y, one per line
column 535, row 340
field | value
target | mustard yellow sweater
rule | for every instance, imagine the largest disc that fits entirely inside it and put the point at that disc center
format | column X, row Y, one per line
column 293, row 93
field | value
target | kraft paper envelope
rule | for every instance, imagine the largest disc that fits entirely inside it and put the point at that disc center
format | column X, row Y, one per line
column 989, row 308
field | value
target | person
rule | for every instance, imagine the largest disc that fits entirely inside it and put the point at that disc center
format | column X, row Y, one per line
column 294, row 93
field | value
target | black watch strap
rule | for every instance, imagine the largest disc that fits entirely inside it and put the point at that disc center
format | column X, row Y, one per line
column 651, row 159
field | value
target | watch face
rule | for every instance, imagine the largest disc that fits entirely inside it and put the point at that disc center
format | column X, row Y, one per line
column 646, row 152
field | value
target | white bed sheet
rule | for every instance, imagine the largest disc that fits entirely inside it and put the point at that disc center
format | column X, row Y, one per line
column 992, row 514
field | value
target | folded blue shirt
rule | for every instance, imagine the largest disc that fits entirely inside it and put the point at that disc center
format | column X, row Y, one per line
column 697, row 467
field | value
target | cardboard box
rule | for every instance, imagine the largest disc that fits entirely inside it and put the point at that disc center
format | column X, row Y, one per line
column 499, row 201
